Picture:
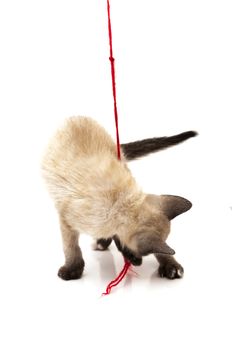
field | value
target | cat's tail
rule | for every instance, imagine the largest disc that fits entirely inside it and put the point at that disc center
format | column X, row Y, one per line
column 137, row 149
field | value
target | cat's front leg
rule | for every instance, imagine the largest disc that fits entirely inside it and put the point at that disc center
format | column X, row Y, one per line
column 169, row 267
column 74, row 263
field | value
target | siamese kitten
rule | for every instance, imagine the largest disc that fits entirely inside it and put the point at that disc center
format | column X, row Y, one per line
column 95, row 193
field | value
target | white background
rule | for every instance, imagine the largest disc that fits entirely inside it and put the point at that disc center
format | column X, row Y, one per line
column 174, row 73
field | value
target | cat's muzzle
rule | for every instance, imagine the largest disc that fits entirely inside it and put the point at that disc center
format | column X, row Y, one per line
column 127, row 253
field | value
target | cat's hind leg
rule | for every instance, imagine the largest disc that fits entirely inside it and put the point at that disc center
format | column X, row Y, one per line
column 169, row 267
column 74, row 263
column 102, row 243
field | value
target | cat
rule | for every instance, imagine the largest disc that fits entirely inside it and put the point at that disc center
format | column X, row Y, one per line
column 95, row 193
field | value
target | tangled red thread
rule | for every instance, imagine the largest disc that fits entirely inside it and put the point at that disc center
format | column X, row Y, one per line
column 118, row 279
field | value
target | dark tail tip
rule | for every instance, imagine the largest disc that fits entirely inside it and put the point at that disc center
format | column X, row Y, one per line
column 191, row 133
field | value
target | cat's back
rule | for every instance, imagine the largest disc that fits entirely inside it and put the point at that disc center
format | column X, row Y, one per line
column 82, row 136
column 80, row 153
column 78, row 138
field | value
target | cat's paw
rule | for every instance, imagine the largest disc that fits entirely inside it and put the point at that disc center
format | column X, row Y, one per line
column 171, row 270
column 102, row 244
column 71, row 272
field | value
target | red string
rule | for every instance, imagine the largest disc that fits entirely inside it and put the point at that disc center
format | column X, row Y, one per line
column 113, row 80
column 118, row 279
column 127, row 264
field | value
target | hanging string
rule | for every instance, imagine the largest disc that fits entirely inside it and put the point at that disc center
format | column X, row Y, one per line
column 127, row 264
column 111, row 58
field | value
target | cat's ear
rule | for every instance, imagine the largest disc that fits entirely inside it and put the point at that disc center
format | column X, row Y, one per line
column 173, row 206
column 150, row 244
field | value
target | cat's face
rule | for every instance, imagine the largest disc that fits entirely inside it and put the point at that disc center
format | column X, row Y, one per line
column 144, row 242
column 153, row 228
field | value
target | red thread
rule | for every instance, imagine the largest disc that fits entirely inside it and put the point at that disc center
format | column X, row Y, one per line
column 118, row 279
column 127, row 264
column 113, row 80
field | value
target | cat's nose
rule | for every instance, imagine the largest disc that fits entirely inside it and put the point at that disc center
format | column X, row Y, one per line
column 135, row 260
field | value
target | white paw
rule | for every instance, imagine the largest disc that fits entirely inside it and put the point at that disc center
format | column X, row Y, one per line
column 97, row 246
column 180, row 272
column 171, row 270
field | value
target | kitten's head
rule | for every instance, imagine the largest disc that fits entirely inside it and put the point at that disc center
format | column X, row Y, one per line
column 153, row 227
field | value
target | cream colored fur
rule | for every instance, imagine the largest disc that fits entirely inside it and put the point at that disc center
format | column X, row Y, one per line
column 93, row 191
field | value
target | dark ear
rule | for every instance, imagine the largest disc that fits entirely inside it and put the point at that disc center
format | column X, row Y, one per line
column 173, row 206
column 149, row 244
